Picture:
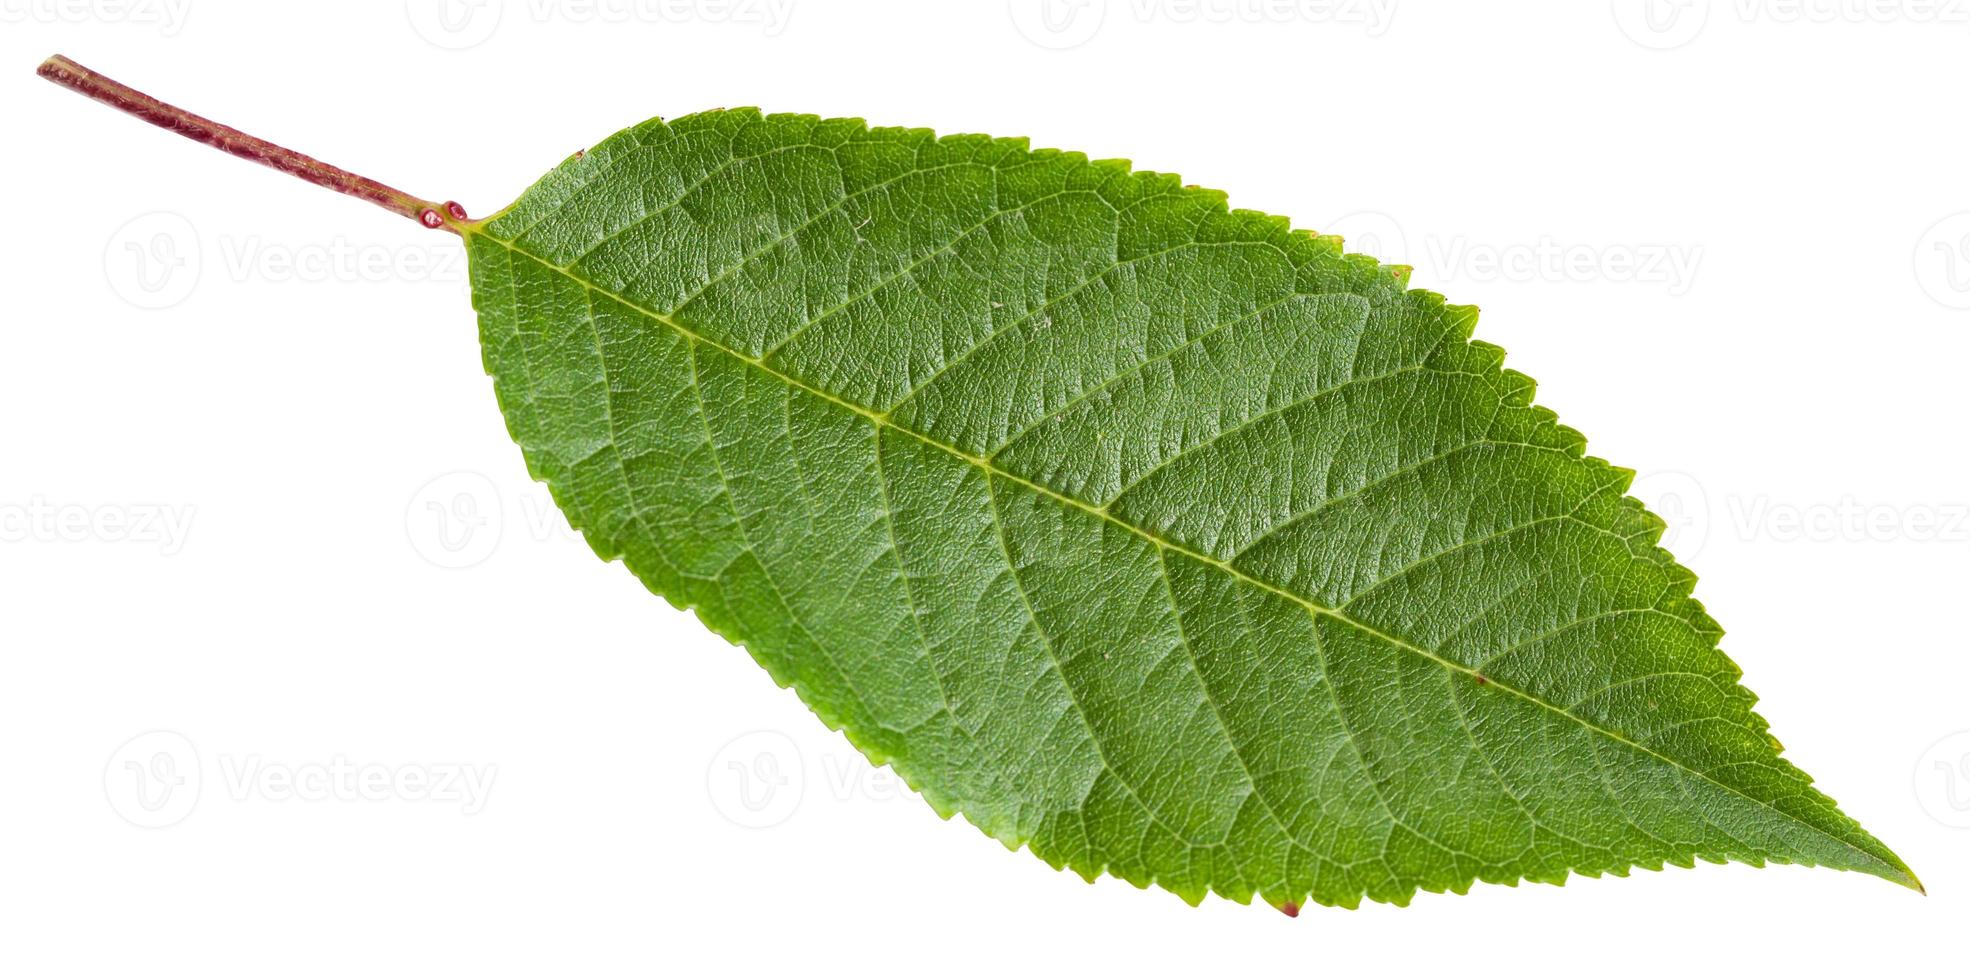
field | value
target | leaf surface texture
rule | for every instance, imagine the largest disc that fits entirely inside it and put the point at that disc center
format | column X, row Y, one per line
column 1154, row 536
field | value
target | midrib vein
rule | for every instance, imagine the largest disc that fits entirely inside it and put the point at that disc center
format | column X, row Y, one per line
column 881, row 420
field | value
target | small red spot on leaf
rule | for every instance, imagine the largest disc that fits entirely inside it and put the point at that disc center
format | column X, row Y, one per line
column 1481, row 679
column 1292, row 909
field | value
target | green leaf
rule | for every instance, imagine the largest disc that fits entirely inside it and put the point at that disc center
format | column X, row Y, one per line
column 1154, row 536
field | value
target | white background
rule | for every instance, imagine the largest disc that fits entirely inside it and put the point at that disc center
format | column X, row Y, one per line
column 245, row 439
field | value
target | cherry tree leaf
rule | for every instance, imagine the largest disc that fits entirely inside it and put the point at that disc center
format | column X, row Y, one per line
column 1153, row 536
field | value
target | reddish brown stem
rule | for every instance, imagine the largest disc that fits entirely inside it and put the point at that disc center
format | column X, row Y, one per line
column 111, row 92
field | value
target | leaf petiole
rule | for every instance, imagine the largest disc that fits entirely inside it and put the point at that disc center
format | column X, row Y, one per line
column 448, row 215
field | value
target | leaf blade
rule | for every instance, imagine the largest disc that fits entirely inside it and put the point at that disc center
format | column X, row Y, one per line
column 981, row 429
